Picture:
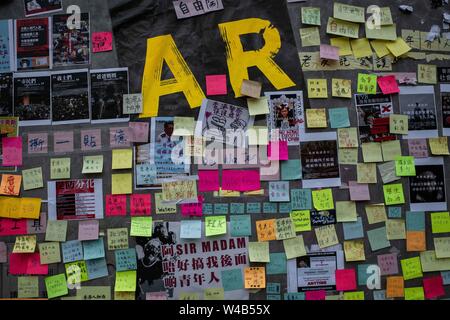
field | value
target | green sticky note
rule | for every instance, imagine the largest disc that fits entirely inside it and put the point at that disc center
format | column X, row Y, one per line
column 28, row 287
column 56, row 230
column 259, row 251
column 311, row 15
column 411, row 268
column 93, row 164
column 405, row 166
column 391, row 150
column 398, row 124
column 291, row 170
column 323, row 199
column 372, row 152
column 348, row 12
column 310, row 36
column 215, row 225
column 393, row 194
column 414, row 293
column 440, row 222
column 367, row 83
column 294, row 247
column 56, row 286
column 141, row 226
column 60, row 168
column 49, row 252
column 382, row 33
column 76, row 272
column 125, row 281
column 32, row 179
column 346, row 211
column 302, row 220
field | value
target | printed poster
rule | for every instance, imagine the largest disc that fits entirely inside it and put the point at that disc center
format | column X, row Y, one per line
column 6, row 46
column 445, row 103
column 37, row 7
column 6, row 94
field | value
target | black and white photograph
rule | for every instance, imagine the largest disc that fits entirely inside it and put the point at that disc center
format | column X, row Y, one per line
column 32, row 98
column 38, row 7
column 286, row 113
column 70, row 46
column 70, row 97
column 6, row 94
column 445, row 103
column 418, row 103
column 107, row 89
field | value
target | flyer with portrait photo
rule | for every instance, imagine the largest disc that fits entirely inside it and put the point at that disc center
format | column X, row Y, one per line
column 7, row 61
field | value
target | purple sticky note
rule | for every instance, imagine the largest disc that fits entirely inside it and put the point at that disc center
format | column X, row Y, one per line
column 63, row 141
column 359, row 191
column 388, row 264
column 216, row 85
column 91, row 139
column 329, row 52
column 88, row 230
column 283, row 151
column 12, row 151
column 38, row 142
column 139, row 131
column 418, row 148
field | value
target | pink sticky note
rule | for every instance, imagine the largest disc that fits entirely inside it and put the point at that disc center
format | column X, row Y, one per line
column 283, row 151
column 12, row 151
column 13, row 227
column 63, row 141
column 241, row 180
column 140, row 204
column 88, row 230
column 208, row 180
column 345, row 280
column 329, row 52
column 388, row 264
column 101, row 41
column 139, row 131
column 26, row 264
column 38, row 142
column 91, row 139
column 116, row 205
column 433, row 287
column 418, row 148
column 388, row 84
column 193, row 209
column 359, row 191
column 315, row 295
column 119, row 137
column 216, row 85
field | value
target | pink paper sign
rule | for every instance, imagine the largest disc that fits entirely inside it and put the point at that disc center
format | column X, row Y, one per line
column 139, row 131
column 63, row 142
column 216, row 85
column 241, row 180
column 88, row 230
column 193, row 209
column 116, row 205
column 140, row 204
column 13, row 227
column 38, row 142
column 329, row 52
column 433, row 287
column 208, row 180
column 12, row 151
column 315, row 295
column 388, row 84
column 101, row 41
column 283, row 151
column 91, row 139
column 26, row 264
column 345, row 280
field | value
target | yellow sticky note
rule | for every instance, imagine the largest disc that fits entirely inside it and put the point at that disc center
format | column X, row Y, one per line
column 346, row 211
column 126, row 281
column 343, row 44
column 354, row 250
column 310, row 36
column 179, row 190
column 183, row 126
column 323, row 199
column 439, row 146
column 411, row 268
column 348, row 12
column 317, row 88
column 30, row 208
column 376, row 213
column 393, row 194
column 141, row 227
column 341, row 88
column 258, row 106
column 367, row 83
column 254, row 277
column 316, row 118
column 398, row 124
column 380, row 48
column 301, row 219
column 25, row 244
column 348, row 138
column 440, row 222
column 398, row 47
column 294, row 247
column 391, row 150
column 382, row 33
column 342, row 28
column 93, row 164
column 122, row 183
column 122, row 159
column 258, row 251
column 326, row 236
column 372, row 152
column 427, row 73
column 214, row 294
column 215, row 225
column 258, row 136
column 60, row 168
column 361, row 48
column 348, row 156
column 10, row 185
column 366, row 173
column 414, row 293
column 412, row 38
column 395, row 229
column 442, row 247
column 161, row 207
column 32, row 179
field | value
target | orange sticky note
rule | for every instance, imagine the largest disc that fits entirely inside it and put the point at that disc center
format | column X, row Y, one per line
column 415, row 241
column 10, row 185
column 255, row 277
column 266, row 230
column 395, row 287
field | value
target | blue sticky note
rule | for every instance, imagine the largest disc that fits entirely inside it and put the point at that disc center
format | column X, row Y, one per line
column 394, row 212
column 378, row 239
column 379, row 295
column 277, row 264
column 240, row 225
column 72, row 251
column 273, row 297
column 145, row 174
column 253, row 207
column 363, row 274
column 96, row 268
column 232, row 280
column 93, row 249
column 301, row 199
column 220, row 208
column 291, row 170
column 126, row 259
column 273, row 288
column 445, row 277
column 294, row 296
column 338, row 118
column 191, row 229
column 207, row 208
column 353, row 230
column 237, row 208
column 269, row 207
column 284, row 207
column 415, row 221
